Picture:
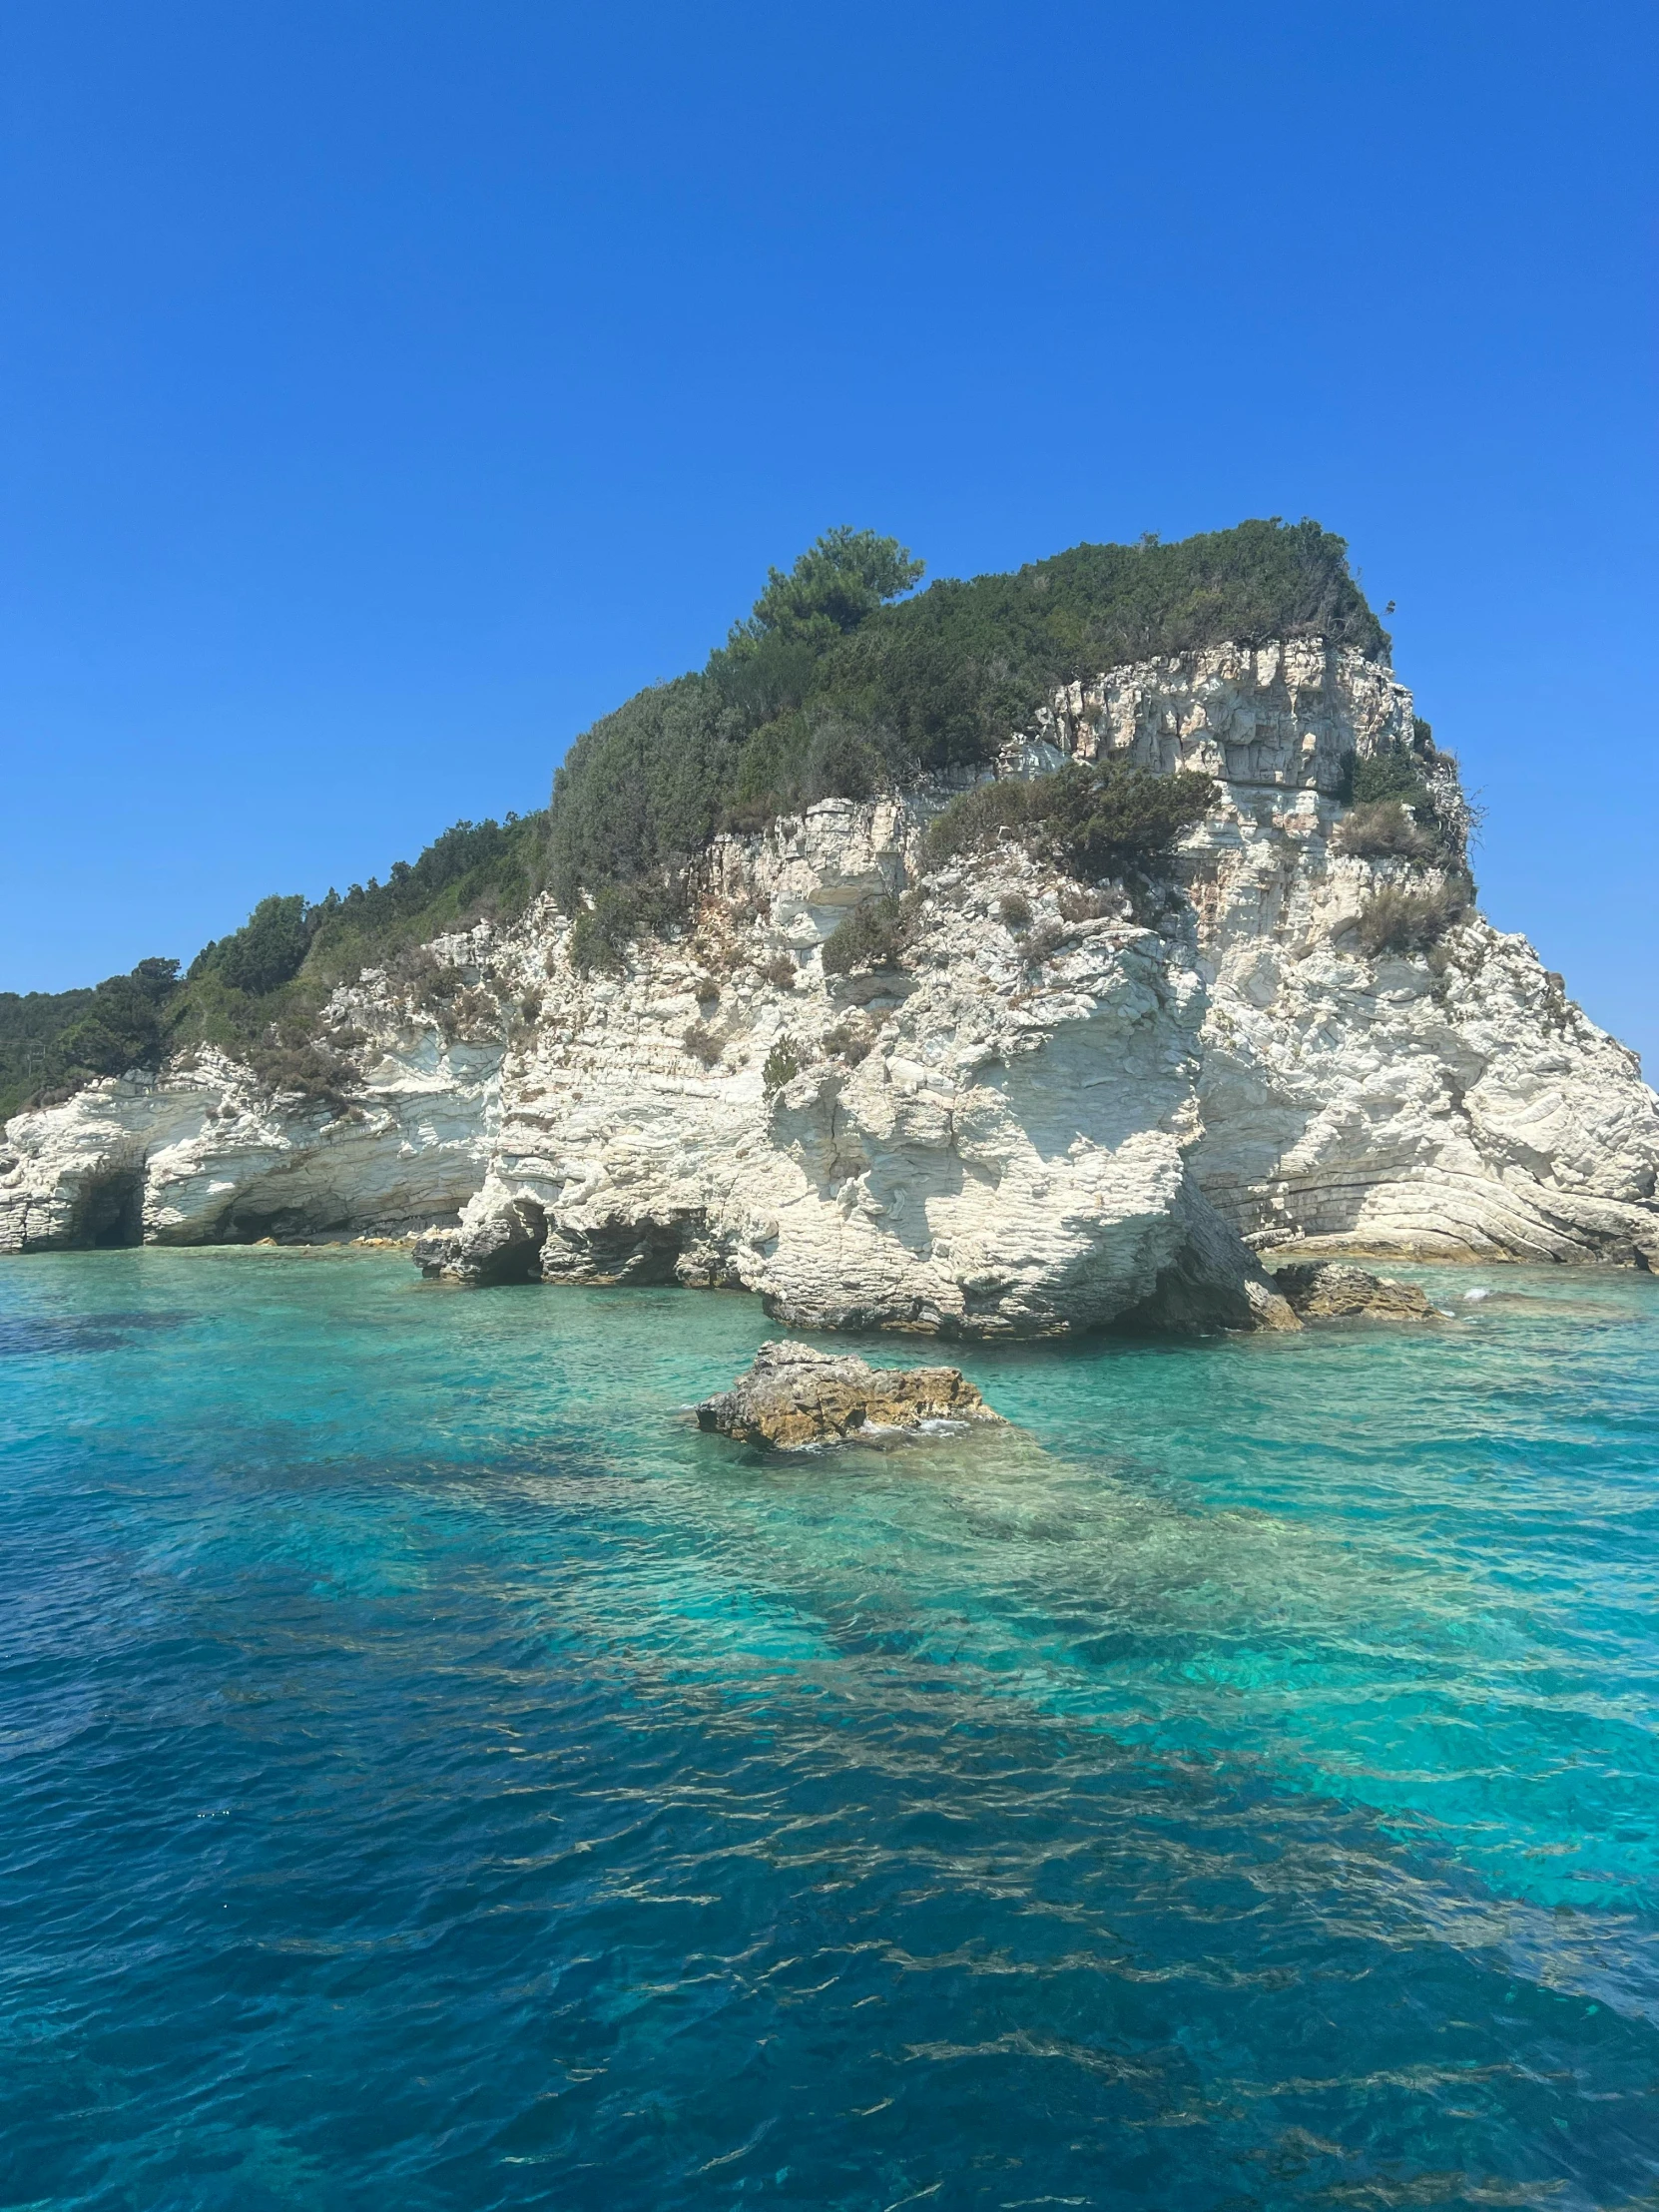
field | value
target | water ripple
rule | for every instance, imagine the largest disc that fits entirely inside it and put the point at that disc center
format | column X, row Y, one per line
column 436, row 1775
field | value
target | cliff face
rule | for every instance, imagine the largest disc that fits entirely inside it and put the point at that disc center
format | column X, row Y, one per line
column 1049, row 1114
column 1461, row 1109
column 201, row 1153
column 991, row 1139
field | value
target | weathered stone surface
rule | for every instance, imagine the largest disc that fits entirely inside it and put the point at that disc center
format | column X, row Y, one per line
column 1029, row 1129
column 204, row 1154
column 1281, row 716
column 1328, row 1289
column 1460, row 1108
column 987, row 1143
column 796, row 1395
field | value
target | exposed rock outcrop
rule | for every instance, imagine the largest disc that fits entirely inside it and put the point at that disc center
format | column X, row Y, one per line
column 988, row 1141
column 1056, row 1110
column 1329, row 1290
column 796, row 1394
column 203, row 1153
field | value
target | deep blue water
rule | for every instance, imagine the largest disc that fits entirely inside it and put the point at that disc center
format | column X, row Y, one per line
column 437, row 1777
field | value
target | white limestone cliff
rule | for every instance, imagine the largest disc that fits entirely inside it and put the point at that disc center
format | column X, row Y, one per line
column 1029, row 1126
column 204, row 1154
column 1464, row 1109
column 980, row 1142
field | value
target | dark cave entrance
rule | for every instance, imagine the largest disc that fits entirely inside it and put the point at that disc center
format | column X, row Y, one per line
column 110, row 1210
column 513, row 1254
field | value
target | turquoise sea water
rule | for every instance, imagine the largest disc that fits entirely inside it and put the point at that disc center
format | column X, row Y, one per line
column 435, row 1776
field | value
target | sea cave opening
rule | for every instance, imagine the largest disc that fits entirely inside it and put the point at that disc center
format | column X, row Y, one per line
column 110, row 1212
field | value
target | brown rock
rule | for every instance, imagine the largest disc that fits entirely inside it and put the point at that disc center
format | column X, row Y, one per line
column 796, row 1395
column 1330, row 1291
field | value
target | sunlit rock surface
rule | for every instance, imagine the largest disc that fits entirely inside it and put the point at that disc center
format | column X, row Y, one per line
column 1331, row 1290
column 1035, row 1124
column 798, row 1395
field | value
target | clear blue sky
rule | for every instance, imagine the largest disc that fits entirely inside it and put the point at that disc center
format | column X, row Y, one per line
column 386, row 388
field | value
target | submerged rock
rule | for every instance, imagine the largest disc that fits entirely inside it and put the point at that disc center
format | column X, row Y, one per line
column 796, row 1395
column 1329, row 1290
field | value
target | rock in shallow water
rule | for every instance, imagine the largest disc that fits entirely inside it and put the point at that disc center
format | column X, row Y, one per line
column 1330, row 1291
column 796, row 1395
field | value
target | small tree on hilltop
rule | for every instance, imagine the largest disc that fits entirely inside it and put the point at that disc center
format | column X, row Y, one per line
column 841, row 578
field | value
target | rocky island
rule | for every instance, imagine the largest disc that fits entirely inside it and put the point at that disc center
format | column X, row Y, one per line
column 796, row 1395
column 1009, row 959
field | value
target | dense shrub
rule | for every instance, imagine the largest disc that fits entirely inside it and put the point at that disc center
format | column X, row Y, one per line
column 1409, row 921
column 703, row 1043
column 299, row 1066
column 1407, row 803
column 974, row 821
column 783, row 1065
column 835, row 584
column 474, row 871
column 1393, row 774
column 278, row 968
column 872, row 935
column 846, row 1043
column 1383, row 830
column 1015, row 910
column 31, row 1022
column 642, row 791
column 269, row 948
column 1102, row 821
column 1095, row 822
column 620, row 914
column 51, row 1042
column 832, row 690
column 440, row 982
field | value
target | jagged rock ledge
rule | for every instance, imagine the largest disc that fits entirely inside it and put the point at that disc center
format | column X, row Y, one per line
column 1331, row 1291
column 796, row 1395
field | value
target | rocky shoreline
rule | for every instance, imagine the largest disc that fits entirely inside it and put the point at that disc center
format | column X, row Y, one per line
column 1058, row 1108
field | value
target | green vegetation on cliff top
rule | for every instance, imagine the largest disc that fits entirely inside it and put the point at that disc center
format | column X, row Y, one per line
column 834, row 686
column 257, row 992
column 830, row 690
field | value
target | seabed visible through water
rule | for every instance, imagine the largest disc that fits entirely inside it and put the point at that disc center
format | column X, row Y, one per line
column 435, row 1776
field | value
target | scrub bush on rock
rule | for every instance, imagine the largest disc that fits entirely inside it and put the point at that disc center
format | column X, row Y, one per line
column 1384, row 830
column 1096, row 822
column 875, row 935
column 1402, row 921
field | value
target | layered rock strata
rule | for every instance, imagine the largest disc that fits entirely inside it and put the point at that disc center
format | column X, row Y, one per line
column 989, row 1140
column 796, row 1395
column 203, row 1153
column 1052, row 1111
